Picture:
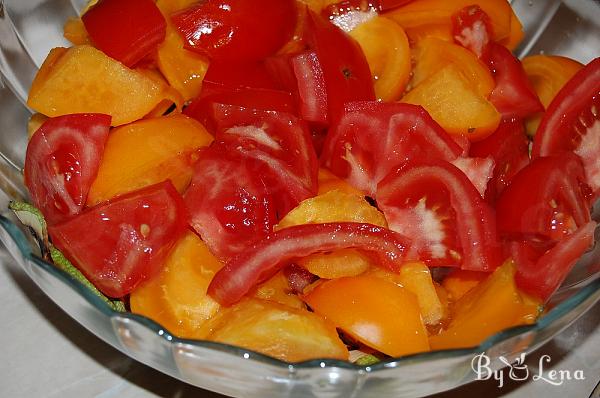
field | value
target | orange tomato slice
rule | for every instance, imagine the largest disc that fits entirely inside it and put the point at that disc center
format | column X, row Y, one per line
column 177, row 297
column 389, row 59
column 286, row 333
column 147, row 152
column 455, row 105
column 374, row 311
column 432, row 55
column 493, row 305
column 548, row 74
column 459, row 282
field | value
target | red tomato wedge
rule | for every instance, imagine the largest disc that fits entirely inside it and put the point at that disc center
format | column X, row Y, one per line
column 253, row 74
column 542, row 276
column 205, row 107
column 281, row 142
column 509, row 147
column 62, row 161
column 126, row 30
column 472, row 29
column 437, row 206
column 345, row 68
column 237, row 29
column 479, row 170
column 572, row 122
column 548, row 199
column 229, row 204
column 267, row 256
column 372, row 138
column 513, row 96
column 120, row 243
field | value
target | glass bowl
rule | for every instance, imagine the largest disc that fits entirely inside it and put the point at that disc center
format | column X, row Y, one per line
column 30, row 28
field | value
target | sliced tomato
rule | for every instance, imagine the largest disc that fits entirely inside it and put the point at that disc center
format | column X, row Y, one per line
column 437, row 206
column 572, row 122
column 479, row 170
column 267, row 256
column 120, row 243
column 237, row 29
column 126, row 30
column 509, row 147
column 345, row 68
column 548, row 199
column 472, row 29
column 204, row 107
column 312, row 93
column 542, row 276
column 385, row 5
column 372, row 138
column 229, row 204
column 254, row 74
column 62, row 161
column 514, row 95
column 281, row 142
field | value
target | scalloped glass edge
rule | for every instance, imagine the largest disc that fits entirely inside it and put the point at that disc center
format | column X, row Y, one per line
column 578, row 298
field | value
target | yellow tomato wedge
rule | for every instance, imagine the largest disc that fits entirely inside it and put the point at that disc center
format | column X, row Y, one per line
column 455, row 105
column 374, row 311
column 74, row 31
column 82, row 79
column 389, row 59
column 147, row 152
column 35, row 122
column 432, row 55
column 177, row 297
column 548, row 74
column 270, row 328
column 277, row 289
column 493, row 305
column 416, row 278
column 516, row 33
column 438, row 31
column 459, row 282
column 331, row 207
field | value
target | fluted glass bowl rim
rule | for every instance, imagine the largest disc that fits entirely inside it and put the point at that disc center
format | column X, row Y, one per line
column 554, row 315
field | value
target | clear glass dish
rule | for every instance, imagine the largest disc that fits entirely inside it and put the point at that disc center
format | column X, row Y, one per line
column 29, row 28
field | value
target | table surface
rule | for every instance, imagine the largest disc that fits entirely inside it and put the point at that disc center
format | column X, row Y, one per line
column 45, row 353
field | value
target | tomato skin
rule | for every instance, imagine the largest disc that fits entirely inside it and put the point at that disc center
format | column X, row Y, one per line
column 126, row 30
column 62, row 161
column 345, row 68
column 241, row 74
column 204, row 107
column 542, row 275
column 514, row 95
column 548, row 199
column 268, row 255
column 372, row 138
column 509, row 147
column 120, row 243
column 237, row 30
column 436, row 205
column 570, row 124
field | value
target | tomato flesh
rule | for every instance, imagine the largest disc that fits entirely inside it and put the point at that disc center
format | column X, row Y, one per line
column 120, row 243
column 126, row 30
column 472, row 28
column 237, row 29
column 548, row 199
column 372, row 138
column 62, row 161
column 437, row 206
